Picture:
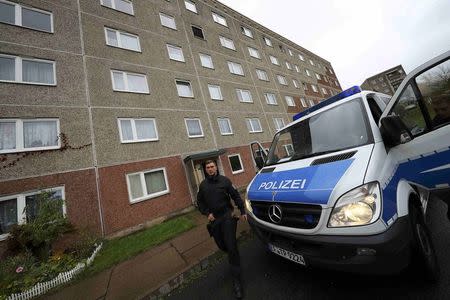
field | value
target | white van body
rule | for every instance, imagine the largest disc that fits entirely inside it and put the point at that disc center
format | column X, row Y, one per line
column 346, row 184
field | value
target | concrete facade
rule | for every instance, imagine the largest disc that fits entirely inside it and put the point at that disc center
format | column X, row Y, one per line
column 385, row 82
column 92, row 163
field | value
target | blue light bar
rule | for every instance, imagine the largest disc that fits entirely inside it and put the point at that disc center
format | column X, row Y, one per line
column 344, row 94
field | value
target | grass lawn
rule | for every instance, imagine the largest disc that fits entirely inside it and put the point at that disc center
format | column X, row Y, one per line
column 120, row 249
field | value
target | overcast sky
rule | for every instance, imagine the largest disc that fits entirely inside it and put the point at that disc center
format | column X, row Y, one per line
column 360, row 38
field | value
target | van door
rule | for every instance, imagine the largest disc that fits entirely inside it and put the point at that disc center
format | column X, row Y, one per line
column 423, row 105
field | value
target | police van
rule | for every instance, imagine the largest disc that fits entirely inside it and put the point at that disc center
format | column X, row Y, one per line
column 346, row 184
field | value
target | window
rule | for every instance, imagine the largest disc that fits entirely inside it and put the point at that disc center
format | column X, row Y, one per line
column 125, row 6
column 27, row 70
column 253, row 125
column 215, row 92
column 194, row 128
column 16, row 14
column 184, row 89
column 262, row 75
column 325, row 78
column 303, row 101
column 254, row 53
column 307, row 72
column 175, row 53
column 289, row 100
column 235, row 68
column 336, row 83
column 121, row 39
column 301, row 57
column 244, row 96
column 270, row 98
column 297, row 68
column 305, row 86
column 129, row 82
column 295, row 82
column 235, row 163
column 206, row 61
column 324, row 91
column 314, row 88
column 282, row 80
column 408, row 109
column 19, row 135
column 219, row 19
column 227, row 43
column 167, row 21
column 198, row 32
column 311, row 62
column 311, row 103
column 12, row 208
column 147, row 184
column 290, row 52
column 267, row 41
column 247, row 32
column 331, row 71
column 224, row 126
column 137, row 130
column 190, row 6
column 288, row 66
column 274, row 60
column 289, row 148
column 279, row 123
column 317, row 76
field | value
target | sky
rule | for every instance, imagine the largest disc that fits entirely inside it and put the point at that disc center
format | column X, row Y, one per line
column 360, row 38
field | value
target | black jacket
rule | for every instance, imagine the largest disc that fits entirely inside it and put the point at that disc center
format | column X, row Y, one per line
column 214, row 196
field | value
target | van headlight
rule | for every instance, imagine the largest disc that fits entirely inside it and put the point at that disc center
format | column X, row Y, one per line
column 248, row 205
column 360, row 206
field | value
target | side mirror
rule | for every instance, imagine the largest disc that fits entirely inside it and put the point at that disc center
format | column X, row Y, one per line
column 394, row 131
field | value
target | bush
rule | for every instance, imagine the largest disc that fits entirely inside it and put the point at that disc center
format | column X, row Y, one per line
column 37, row 235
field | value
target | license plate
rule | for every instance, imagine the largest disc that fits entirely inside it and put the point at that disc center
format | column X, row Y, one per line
column 287, row 254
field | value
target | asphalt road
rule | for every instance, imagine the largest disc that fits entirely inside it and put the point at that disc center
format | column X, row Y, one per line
column 270, row 277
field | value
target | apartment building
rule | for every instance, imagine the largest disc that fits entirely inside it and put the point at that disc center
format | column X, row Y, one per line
column 385, row 82
column 114, row 105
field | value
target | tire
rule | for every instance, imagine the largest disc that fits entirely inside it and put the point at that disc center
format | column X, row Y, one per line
column 424, row 260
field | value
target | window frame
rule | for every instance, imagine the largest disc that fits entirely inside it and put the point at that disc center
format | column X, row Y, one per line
column 196, row 36
column 223, row 40
column 246, row 31
column 266, row 97
column 119, row 39
column 301, row 57
column 232, row 63
column 314, row 88
column 251, row 125
column 311, row 103
column 161, row 14
column 240, row 162
column 289, row 101
column 190, row 85
column 267, row 41
column 274, row 60
column 240, row 92
column 144, row 185
column 219, row 19
column 113, row 6
column 134, row 131
column 21, row 203
column 18, row 16
column 261, row 71
column 217, row 87
column 210, row 58
column 303, row 102
column 275, row 122
column 296, row 83
column 288, row 65
column 171, row 46
column 126, row 83
column 18, row 69
column 282, row 80
column 255, row 51
column 318, row 76
column 192, row 7
column 229, row 125
column 187, row 128
column 19, row 125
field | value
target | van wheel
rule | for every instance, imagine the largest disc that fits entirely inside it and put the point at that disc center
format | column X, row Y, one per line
column 424, row 259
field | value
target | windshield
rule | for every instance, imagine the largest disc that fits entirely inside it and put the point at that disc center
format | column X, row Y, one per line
column 338, row 128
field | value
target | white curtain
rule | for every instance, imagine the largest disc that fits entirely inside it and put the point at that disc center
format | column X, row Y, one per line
column 184, row 89
column 224, row 126
column 37, row 71
column 137, row 83
column 7, row 135
column 145, row 129
column 124, row 6
column 36, row 19
column 155, row 182
column 194, row 127
column 135, row 186
column 127, row 131
column 128, row 41
column 40, row 134
column 8, row 214
column 112, row 37
column 119, row 82
column 7, row 68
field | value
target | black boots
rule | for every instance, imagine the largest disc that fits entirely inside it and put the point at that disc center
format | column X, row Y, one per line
column 237, row 289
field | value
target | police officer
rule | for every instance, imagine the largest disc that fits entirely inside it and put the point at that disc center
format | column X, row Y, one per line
column 213, row 200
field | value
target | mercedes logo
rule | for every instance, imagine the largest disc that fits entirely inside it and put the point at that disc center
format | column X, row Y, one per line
column 275, row 213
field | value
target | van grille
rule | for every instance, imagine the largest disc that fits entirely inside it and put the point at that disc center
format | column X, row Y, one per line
column 304, row 216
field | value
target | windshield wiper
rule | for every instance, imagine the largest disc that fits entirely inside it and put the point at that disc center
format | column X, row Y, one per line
column 302, row 156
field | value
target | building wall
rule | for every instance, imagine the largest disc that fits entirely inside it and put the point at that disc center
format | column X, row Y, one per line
column 88, row 108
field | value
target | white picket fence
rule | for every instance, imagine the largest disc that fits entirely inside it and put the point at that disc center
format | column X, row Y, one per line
column 43, row 287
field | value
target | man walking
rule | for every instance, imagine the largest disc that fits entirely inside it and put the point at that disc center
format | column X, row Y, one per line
column 213, row 200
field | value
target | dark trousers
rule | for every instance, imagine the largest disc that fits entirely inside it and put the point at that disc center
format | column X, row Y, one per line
column 224, row 234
